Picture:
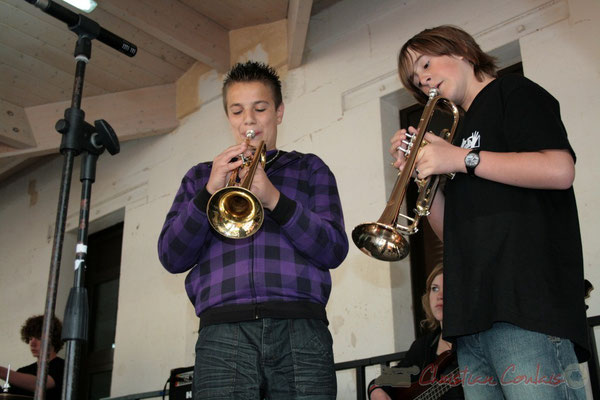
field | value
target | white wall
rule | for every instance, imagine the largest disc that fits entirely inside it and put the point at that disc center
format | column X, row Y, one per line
column 341, row 104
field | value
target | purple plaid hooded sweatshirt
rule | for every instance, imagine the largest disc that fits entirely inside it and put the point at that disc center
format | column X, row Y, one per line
column 288, row 259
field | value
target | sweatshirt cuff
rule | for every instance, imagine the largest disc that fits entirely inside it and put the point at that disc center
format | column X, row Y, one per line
column 284, row 210
column 201, row 199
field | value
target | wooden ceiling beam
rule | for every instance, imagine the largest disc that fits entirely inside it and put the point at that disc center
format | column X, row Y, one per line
column 14, row 127
column 298, row 19
column 132, row 114
column 11, row 166
column 185, row 29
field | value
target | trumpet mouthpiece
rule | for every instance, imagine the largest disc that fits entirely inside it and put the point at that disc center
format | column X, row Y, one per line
column 250, row 134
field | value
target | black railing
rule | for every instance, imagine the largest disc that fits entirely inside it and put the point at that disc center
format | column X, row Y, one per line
column 359, row 367
column 139, row 396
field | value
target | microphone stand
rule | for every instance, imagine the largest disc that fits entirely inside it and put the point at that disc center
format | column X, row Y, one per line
column 78, row 136
column 75, row 328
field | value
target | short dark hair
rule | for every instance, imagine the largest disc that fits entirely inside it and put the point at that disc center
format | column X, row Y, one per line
column 253, row 71
column 32, row 328
column 444, row 40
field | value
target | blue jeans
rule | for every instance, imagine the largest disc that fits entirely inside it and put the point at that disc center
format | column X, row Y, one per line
column 265, row 359
column 507, row 362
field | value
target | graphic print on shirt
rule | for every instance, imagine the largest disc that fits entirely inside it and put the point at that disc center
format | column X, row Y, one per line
column 472, row 142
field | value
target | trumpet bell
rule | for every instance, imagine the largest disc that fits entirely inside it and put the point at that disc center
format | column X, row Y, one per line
column 380, row 241
column 235, row 212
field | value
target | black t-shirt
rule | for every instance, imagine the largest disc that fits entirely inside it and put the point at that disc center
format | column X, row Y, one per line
column 56, row 369
column 422, row 354
column 513, row 254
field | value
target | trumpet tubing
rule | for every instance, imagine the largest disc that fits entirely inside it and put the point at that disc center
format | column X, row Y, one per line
column 384, row 239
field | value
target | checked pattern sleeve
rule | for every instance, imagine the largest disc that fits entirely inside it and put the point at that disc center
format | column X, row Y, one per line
column 316, row 228
column 186, row 229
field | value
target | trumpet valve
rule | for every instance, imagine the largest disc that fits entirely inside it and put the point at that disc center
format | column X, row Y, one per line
column 420, row 183
column 408, row 143
column 250, row 134
column 402, row 149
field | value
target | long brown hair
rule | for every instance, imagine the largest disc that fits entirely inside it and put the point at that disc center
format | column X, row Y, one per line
column 444, row 40
column 430, row 322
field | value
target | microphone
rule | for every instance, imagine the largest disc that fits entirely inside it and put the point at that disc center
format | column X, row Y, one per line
column 117, row 43
column 79, row 23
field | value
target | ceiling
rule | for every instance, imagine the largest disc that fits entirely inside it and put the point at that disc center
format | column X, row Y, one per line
column 36, row 51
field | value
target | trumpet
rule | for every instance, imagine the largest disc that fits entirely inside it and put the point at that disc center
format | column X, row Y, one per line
column 384, row 239
column 234, row 211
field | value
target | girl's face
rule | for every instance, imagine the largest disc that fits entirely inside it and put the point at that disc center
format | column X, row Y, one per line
column 436, row 297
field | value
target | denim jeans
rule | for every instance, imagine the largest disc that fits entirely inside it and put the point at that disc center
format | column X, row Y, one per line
column 507, row 362
column 265, row 359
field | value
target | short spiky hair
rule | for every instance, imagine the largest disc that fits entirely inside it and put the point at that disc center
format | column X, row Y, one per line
column 444, row 40
column 32, row 328
column 253, row 71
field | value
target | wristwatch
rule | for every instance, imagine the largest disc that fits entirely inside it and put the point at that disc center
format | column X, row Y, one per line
column 472, row 161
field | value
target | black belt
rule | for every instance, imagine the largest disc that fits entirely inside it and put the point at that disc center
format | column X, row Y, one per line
column 271, row 309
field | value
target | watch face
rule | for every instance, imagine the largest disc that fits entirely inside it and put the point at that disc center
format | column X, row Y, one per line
column 472, row 159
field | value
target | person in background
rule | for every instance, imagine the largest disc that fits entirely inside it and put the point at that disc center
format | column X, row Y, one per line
column 426, row 349
column 22, row 381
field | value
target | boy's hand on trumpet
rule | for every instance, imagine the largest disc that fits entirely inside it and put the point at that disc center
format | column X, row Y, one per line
column 223, row 165
column 400, row 149
column 399, row 145
column 263, row 189
column 437, row 157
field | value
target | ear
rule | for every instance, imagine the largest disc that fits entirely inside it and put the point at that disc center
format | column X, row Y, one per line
column 279, row 112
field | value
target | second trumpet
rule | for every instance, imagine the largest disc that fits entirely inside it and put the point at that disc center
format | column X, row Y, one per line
column 384, row 239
